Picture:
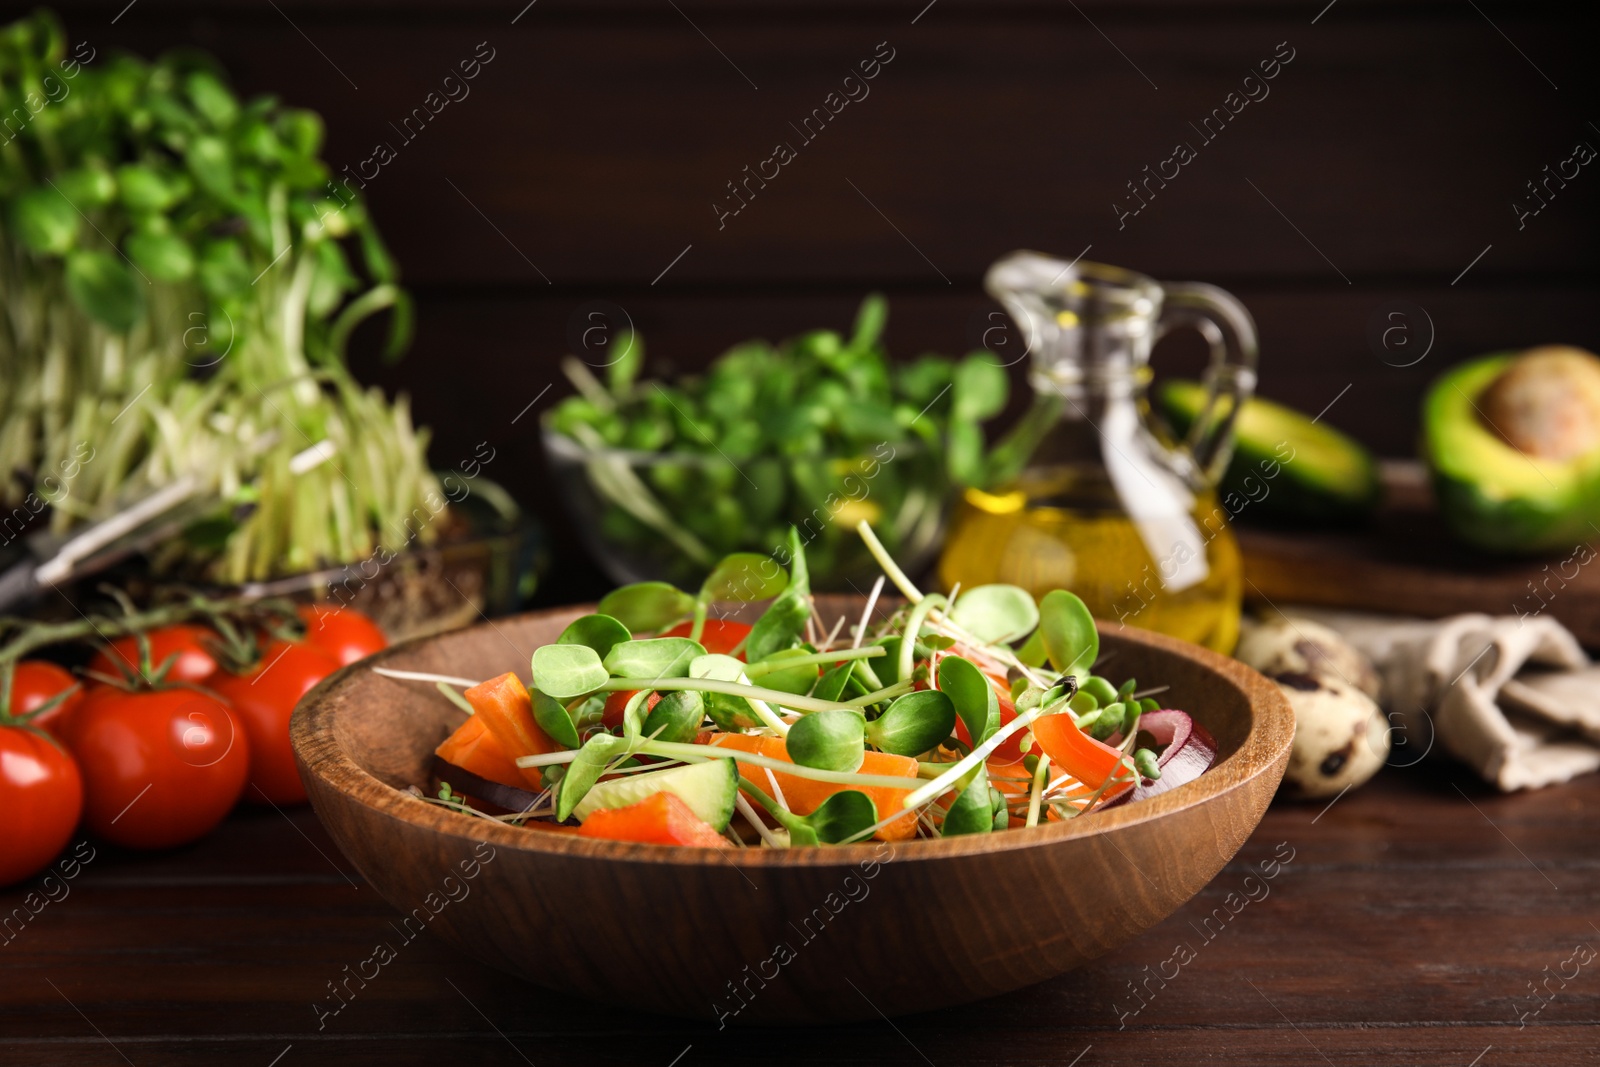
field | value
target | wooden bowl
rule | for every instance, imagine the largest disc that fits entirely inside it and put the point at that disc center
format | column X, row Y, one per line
column 764, row 936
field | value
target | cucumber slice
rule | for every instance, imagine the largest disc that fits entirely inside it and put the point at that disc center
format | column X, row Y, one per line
column 708, row 788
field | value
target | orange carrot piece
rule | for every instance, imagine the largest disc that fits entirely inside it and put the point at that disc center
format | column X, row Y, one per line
column 806, row 795
column 507, row 712
column 473, row 748
column 659, row 819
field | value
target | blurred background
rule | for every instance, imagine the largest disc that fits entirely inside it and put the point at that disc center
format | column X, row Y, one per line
column 584, row 169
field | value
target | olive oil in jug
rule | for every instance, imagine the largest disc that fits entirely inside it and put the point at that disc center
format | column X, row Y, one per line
column 1088, row 496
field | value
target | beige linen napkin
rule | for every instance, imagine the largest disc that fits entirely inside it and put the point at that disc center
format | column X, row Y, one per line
column 1515, row 698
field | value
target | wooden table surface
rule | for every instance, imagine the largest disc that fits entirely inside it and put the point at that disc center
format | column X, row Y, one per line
column 1408, row 925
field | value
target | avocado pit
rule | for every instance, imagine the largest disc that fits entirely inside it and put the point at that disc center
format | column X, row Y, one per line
column 1546, row 403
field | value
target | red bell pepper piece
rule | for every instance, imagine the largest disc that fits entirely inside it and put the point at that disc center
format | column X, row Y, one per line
column 1076, row 753
column 659, row 819
column 721, row 636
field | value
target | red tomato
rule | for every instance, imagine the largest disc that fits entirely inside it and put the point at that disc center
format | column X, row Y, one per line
column 161, row 767
column 189, row 643
column 719, row 635
column 41, row 794
column 343, row 633
column 262, row 700
column 617, row 703
column 34, row 682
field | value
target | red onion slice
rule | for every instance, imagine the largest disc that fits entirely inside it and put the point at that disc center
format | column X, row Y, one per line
column 507, row 797
column 1190, row 751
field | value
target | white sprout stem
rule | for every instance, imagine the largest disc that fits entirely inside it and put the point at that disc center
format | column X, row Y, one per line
column 756, row 670
column 748, row 810
column 886, row 561
column 866, row 613
column 1054, row 787
column 770, row 718
column 700, row 753
column 897, row 689
column 456, row 698
column 679, row 750
column 423, row 676
column 927, row 792
column 733, row 689
column 1036, row 794
column 548, row 759
column 833, row 634
column 914, row 621
column 777, row 790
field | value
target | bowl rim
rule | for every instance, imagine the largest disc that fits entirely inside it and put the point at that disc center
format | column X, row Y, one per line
column 1264, row 750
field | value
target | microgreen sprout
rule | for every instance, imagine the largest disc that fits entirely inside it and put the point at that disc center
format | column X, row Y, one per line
column 963, row 739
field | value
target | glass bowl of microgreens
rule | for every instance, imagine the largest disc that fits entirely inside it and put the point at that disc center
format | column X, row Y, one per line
column 818, row 432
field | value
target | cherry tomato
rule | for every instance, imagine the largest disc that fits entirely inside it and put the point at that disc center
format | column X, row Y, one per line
column 189, row 643
column 161, row 767
column 36, row 681
column 719, row 635
column 617, row 704
column 41, row 796
column 343, row 633
column 262, row 700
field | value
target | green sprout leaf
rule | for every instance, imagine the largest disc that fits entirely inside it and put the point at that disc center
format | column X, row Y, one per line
column 585, row 770
column 972, row 694
column 653, row 657
column 828, row 740
column 567, row 671
column 785, row 620
column 995, row 613
column 871, row 318
column 45, row 221
column 730, row 713
column 847, row 814
column 831, row 685
column 163, row 256
column 552, row 717
column 676, row 717
column 1070, row 637
column 842, row 816
column 979, row 387
column 972, row 812
column 645, row 607
column 105, row 289
column 627, row 358
column 742, row 576
column 600, row 632
column 913, row 724
column 797, row 680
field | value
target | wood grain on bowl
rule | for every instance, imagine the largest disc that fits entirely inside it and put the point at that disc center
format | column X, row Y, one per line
column 764, row 936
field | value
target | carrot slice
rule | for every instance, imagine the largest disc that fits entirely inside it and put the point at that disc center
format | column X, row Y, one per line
column 1074, row 752
column 473, row 748
column 507, row 712
column 659, row 819
column 806, row 795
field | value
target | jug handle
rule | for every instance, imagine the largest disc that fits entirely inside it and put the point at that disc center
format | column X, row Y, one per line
column 1230, row 380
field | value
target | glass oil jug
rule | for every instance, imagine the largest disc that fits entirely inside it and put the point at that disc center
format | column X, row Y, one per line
column 1086, row 493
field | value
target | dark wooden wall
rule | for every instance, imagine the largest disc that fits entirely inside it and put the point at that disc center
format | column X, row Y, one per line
column 590, row 151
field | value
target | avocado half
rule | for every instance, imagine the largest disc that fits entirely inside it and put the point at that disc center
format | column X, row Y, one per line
column 1493, row 496
column 1309, row 470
